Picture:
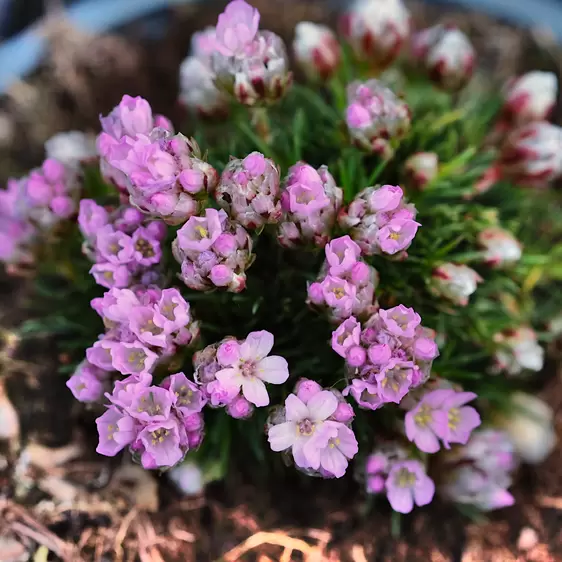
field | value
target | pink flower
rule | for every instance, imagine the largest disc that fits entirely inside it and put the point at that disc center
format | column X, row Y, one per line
column 346, row 335
column 132, row 358
column 303, row 430
column 316, row 50
column 379, row 353
column 187, row 396
column 340, row 448
column 111, row 275
column 91, row 218
column 172, row 311
column 152, row 404
column 400, row 320
column 407, row 483
column 356, row 356
column 240, row 408
column 131, row 117
column 425, row 349
column 161, row 442
column 338, row 293
column 141, row 323
column 365, row 394
column 236, row 28
column 454, row 420
column 253, row 368
column 126, row 390
column 395, row 379
column 114, row 246
column 397, row 235
column 85, row 385
column 99, row 354
column 116, row 430
column 305, row 389
column 146, row 246
column 203, row 43
column 304, row 193
column 200, row 233
column 342, row 254
column 386, row 198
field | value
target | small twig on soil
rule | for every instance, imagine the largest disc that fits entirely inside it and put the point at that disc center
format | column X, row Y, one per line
column 550, row 502
column 276, row 538
column 122, row 533
column 179, row 533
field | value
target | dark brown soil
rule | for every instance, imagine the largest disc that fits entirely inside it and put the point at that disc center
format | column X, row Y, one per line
column 67, row 500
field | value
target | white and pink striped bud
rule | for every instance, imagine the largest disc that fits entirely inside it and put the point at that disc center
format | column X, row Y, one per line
column 421, row 168
column 447, row 55
column 260, row 75
column 518, row 350
column 198, row 92
column 455, row 282
column 249, row 191
column 500, row 246
column 213, row 252
column 310, row 202
column 529, row 98
column 532, row 155
column 376, row 30
column 316, row 49
column 376, row 118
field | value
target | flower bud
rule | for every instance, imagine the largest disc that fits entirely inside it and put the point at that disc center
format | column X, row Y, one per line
column 530, row 97
column 316, row 50
column 517, row 351
column 376, row 118
column 421, row 168
column 249, row 191
column 240, row 408
column 356, row 356
column 376, row 30
column 530, row 427
column 500, row 246
column 532, row 155
column 446, row 54
column 305, row 389
column 455, row 282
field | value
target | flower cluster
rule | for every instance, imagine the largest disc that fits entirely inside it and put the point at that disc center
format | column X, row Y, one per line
column 124, row 247
column 166, row 177
column 249, row 64
column 441, row 415
column 455, row 282
column 233, row 373
column 380, row 221
column 404, row 480
column 310, row 202
column 143, row 327
column 132, row 117
column 376, row 118
column 249, row 191
column 198, row 92
column 160, row 424
column 447, row 55
column 346, row 284
column 517, row 351
column 314, row 428
column 213, row 252
column 376, row 30
column 479, row 473
column 387, row 356
column 88, row 383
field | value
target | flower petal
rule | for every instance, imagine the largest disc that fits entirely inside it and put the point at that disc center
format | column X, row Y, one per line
column 424, row 490
column 230, row 378
column 257, row 345
column 322, row 405
column 334, row 461
column 282, row 436
column 273, row 369
column 295, row 408
column 400, row 499
column 348, row 442
column 426, row 441
column 460, row 399
column 255, row 392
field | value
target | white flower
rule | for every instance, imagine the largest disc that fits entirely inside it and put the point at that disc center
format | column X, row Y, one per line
column 501, row 247
column 71, row 147
column 455, row 282
column 518, row 351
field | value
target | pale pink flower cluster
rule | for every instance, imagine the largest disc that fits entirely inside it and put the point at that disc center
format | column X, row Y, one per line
column 380, row 221
column 317, row 50
column 125, row 247
column 479, row 473
column 213, row 252
column 441, row 415
column 386, row 357
column 376, row 118
column 249, row 191
column 455, row 282
column 233, row 373
column 447, row 55
column 144, row 326
column 166, row 177
column 310, row 202
column 249, row 64
column 517, row 350
column 159, row 424
column 404, row 480
column 346, row 284
column 376, row 30
column 133, row 116
column 198, row 92
column 314, row 429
